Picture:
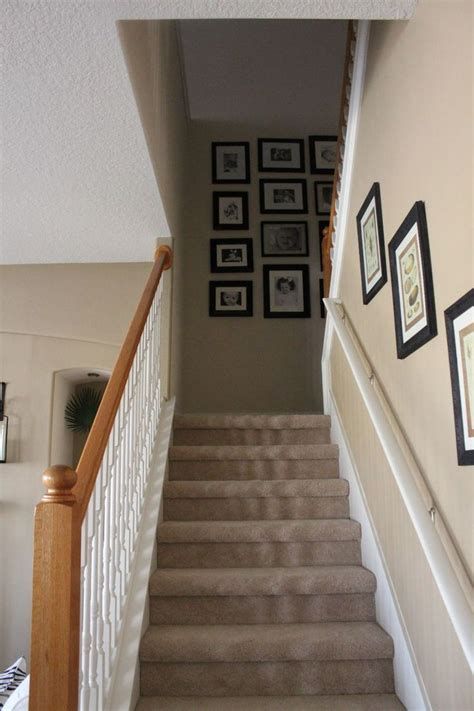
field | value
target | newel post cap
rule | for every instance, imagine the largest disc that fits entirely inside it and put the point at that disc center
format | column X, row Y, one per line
column 167, row 253
column 59, row 481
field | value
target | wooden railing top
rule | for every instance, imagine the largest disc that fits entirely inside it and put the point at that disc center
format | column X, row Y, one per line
column 96, row 443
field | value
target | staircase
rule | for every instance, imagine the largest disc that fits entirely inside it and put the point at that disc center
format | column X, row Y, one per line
column 260, row 601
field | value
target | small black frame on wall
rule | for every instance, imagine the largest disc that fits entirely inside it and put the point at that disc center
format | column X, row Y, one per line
column 283, row 196
column 230, row 162
column 281, row 155
column 230, row 210
column 412, row 283
column 230, row 298
column 373, row 268
column 286, row 291
column 231, row 255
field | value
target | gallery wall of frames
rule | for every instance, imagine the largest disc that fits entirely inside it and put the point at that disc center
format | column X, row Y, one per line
column 293, row 211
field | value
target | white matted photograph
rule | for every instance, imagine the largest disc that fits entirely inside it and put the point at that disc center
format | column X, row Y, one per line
column 286, row 291
column 230, row 298
column 230, row 211
column 231, row 255
column 283, row 196
column 284, row 239
column 230, row 162
column 283, row 155
column 322, row 154
column 323, row 196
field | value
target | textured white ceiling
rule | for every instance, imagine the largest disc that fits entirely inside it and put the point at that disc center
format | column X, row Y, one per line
column 77, row 182
column 264, row 71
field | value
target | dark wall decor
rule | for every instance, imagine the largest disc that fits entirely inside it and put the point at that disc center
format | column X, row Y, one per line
column 322, row 224
column 231, row 255
column 281, row 155
column 286, row 291
column 370, row 232
column 412, row 283
column 322, row 154
column 323, row 196
column 230, row 298
column 321, row 297
column 230, row 210
column 281, row 196
column 230, row 162
column 460, row 334
column 284, row 239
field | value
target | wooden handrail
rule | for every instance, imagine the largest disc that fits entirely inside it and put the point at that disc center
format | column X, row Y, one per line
column 96, row 443
column 57, row 538
column 326, row 243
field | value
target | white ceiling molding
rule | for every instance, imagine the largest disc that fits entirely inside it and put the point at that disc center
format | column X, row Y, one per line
column 77, row 181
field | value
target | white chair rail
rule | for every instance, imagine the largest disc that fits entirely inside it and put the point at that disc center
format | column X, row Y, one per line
column 443, row 559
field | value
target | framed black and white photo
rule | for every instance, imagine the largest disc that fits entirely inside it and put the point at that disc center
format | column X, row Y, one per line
column 286, row 291
column 230, row 211
column 231, row 255
column 322, row 224
column 322, row 154
column 284, row 239
column 412, row 283
column 230, row 298
column 373, row 268
column 281, row 155
column 230, row 162
column 283, row 196
column 460, row 333
column 323, row 196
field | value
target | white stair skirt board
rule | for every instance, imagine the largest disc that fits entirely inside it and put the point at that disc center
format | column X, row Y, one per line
column 409, row 686
column 124, row 692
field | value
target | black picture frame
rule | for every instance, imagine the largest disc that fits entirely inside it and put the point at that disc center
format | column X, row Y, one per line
column 289, row 305
column 284, row 239
column 240, row 291
column 322, row 224
column 231, row 255
column 459, row 319
column 322, row 308
column 370, row 232
column 323, row 196
column 322, row 154
column 278, row 194
column 222, row 201
column 281, row 155
column 232, row 166
column 412, row 283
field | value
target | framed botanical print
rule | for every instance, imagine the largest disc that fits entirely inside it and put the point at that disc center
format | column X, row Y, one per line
column 323, row 196
column 373, row 268
column 230, row 298
column 284, row 239
column 460, row 333
column 230, row 162
column 322, row 153
column 231, row 255
column 283, row 196
column 286, row 291
column 281, row 155
column 230, row 210
column 412, row 283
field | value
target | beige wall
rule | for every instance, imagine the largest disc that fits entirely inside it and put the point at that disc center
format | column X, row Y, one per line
column 415, row 138
column 245, row 364
column 51, row 317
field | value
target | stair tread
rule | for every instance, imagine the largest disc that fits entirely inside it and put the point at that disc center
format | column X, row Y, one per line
column 251, row 421
column 268, row 642
column 243, row 452
column 317, row 580
column 258, row 488
column 336, row 702
column 259, row 531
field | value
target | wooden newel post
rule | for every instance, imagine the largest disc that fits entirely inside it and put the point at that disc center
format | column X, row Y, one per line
column 56, row 601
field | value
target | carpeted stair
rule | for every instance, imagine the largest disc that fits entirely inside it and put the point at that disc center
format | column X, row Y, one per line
column 260, row 601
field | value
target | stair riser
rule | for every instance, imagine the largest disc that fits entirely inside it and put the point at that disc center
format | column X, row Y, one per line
column 246, row 509
column 217, row 470
column 249, row 555
column 267, row 678
column 320, row 435
column 264, row 609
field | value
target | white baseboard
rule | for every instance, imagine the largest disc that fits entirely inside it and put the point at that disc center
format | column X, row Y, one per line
column 409, row 685
column 124, row 691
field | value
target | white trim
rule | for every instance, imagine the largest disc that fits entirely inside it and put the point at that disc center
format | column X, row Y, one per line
column 121, row 693
column 449, row 587
column 409, row 685
column 355, row 102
